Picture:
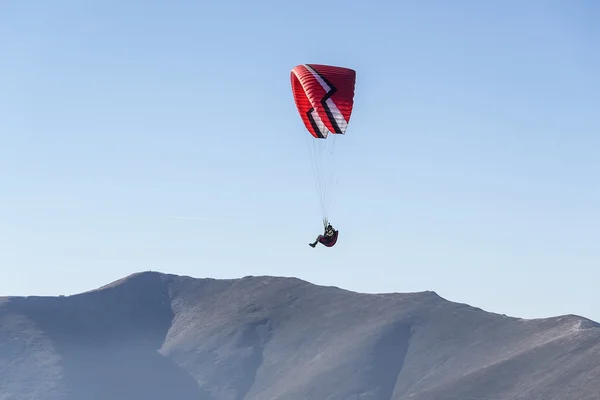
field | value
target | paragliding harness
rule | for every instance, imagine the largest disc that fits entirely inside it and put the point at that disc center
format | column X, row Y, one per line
column 329, row 239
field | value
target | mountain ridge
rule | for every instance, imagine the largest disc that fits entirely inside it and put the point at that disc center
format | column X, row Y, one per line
column 152, row 335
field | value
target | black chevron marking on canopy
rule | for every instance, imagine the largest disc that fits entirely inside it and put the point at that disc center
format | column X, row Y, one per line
column 332, row 90
column 313, row 123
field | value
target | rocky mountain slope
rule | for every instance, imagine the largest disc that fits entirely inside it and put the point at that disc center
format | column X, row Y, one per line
column 154, row 336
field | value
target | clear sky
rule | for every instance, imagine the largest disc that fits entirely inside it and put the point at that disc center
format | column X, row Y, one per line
column 139, row 135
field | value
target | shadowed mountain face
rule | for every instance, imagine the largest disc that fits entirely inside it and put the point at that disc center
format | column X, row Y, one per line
column 155, row 336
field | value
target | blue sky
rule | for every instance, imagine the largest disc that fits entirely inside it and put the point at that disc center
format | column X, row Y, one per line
column 471, row 166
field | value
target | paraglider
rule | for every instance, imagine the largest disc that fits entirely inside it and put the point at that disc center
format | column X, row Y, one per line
column 324, row 97
column 327, row 239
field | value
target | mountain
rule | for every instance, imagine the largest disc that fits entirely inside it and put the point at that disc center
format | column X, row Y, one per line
column 155, row 336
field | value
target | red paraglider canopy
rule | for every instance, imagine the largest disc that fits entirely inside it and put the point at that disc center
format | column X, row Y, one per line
column 324, row 96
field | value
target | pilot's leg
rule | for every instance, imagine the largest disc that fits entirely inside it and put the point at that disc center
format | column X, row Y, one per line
column 316, row 241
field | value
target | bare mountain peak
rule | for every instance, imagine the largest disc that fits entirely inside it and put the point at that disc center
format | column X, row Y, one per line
column 153, row 335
